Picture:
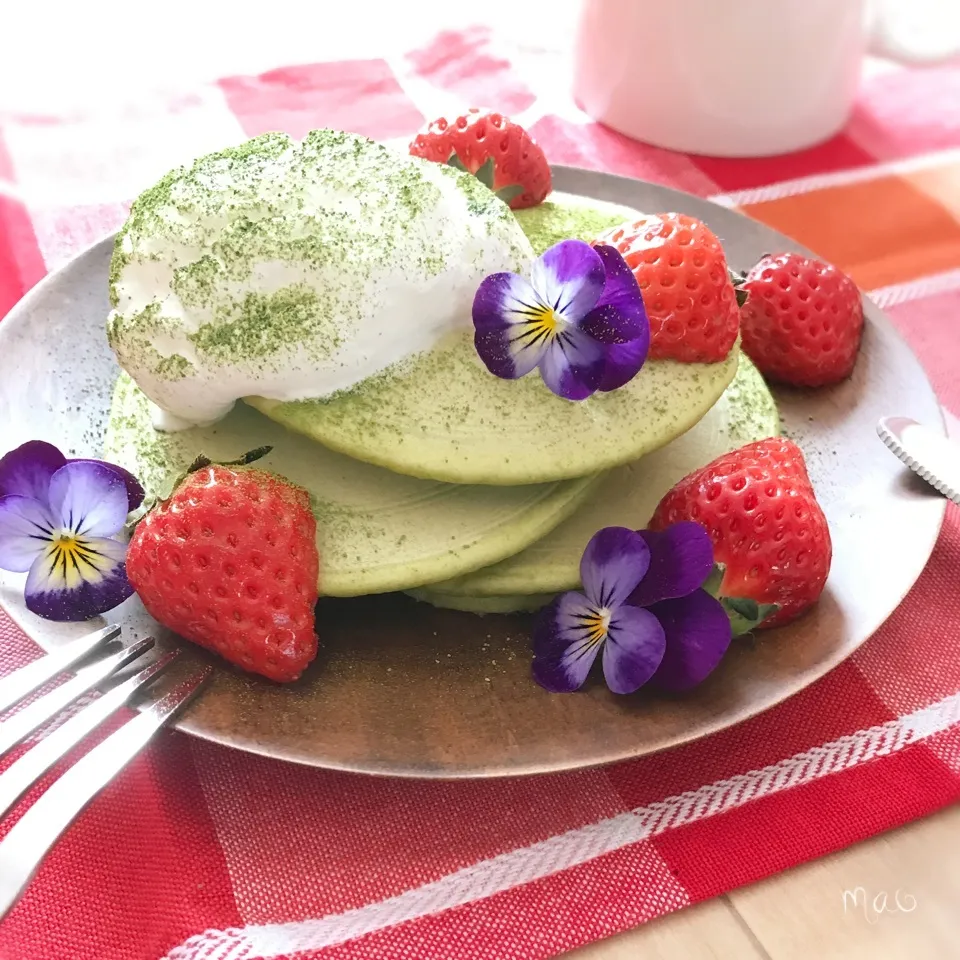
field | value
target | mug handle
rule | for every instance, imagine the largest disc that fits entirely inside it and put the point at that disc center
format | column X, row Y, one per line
column 915, row 32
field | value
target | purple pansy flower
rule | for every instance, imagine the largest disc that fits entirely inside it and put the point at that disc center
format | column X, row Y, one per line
column 644, row 606
column 579, row 318
column 58, row 522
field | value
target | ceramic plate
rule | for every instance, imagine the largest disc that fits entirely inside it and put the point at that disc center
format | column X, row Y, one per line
column 402, row 688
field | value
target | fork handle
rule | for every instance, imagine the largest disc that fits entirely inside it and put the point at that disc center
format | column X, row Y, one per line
column 32, row 836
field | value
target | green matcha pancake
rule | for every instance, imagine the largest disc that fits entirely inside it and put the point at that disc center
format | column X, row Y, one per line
column 376, row 531
column 626, row 497
column 567, row 215
column 442, row 415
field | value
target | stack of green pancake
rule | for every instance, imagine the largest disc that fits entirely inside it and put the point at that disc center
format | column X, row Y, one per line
column 466, row 491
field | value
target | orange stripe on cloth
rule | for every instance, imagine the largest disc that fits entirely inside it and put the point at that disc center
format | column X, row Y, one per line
column 940, row 184
column 883, row 231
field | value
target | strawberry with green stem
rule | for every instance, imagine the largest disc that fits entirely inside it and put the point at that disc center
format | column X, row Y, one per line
column 767, row 528
column 227, row 558
column 499, row 152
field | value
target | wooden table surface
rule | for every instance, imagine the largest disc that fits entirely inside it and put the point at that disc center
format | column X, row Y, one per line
column 805, row 913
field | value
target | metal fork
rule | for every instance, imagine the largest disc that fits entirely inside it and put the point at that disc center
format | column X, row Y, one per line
column 35, row 833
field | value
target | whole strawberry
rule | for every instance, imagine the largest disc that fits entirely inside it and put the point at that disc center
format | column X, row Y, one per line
column 802, row 320
column 498, row 151
column 230, row 562
column 686, row 287
column 767, row 528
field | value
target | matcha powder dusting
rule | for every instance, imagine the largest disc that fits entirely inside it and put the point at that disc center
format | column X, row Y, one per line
column 295, row 270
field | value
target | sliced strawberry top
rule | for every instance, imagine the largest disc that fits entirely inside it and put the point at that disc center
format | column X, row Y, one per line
column 497, row 150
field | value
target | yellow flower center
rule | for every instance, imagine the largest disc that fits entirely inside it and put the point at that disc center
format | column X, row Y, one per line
column 541, row 324
column 70, row 559
column 596, row 624
column 546, row 320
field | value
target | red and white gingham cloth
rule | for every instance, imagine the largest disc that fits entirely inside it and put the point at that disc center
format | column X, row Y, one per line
column 197, row 852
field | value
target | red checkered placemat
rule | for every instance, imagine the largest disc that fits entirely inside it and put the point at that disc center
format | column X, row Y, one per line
column 197, row 852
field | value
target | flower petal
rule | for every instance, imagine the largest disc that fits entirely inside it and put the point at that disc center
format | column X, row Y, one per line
column 698, row 634
column 634, row 649
column 26, row 471
column 612, row 565
column 622, row 362
column 135, row 491
column 567, row 637
column 573, row 365
column 78, row 579
column 89, row 498
column 26, row 527
column 512, row 328
column 681, row 558
column 569, row 278
column 619, row 316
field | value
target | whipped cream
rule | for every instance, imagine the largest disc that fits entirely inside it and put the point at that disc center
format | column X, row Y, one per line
column 293, row 271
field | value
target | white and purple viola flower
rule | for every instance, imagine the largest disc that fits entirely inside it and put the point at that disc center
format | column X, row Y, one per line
column 643, row 604
column 58, row 524
column 579, row 318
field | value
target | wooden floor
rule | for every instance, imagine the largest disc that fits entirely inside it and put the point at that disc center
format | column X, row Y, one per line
column 803, row 914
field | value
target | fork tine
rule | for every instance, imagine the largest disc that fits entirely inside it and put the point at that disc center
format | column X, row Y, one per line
column 27, row 769
column 17, row 685
column 22, row 724
column 32, row 836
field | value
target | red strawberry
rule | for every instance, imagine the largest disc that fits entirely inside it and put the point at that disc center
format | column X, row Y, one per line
column 230, row 562
column 500, row 152
column 802, row 320
column 765, row 523
column 686, row 287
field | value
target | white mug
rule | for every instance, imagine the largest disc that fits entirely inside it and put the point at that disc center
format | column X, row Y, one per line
column 739, row 78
